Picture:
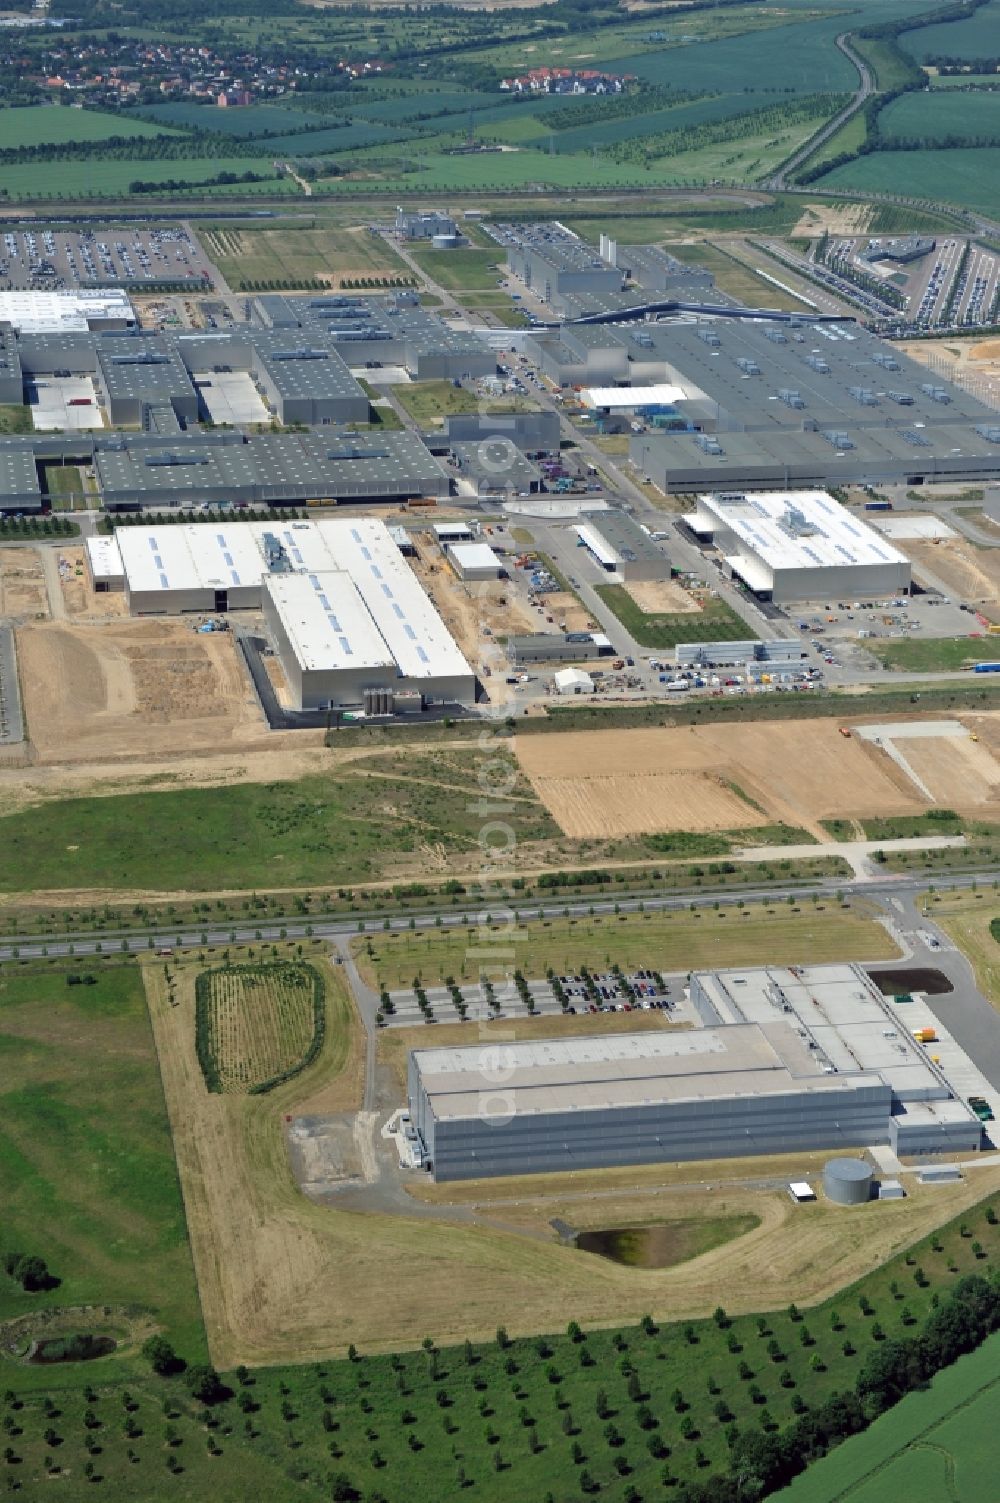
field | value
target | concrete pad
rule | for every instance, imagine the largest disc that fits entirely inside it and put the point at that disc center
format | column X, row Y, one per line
column 900, row 730
column 52, row 398
column 231, row 397
column 912, row 529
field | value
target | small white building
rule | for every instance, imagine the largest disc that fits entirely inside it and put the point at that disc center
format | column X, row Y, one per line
column 573, row 681
column 473, row 561
column 104, row 565
column 452, row 532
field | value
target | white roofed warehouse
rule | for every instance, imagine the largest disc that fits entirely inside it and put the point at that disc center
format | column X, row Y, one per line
column 344, row 609
column 799, row 545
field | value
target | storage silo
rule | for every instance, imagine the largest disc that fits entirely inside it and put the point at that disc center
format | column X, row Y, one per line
column 847, row 1182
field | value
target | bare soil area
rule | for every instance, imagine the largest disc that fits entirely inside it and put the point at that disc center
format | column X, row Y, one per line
column 959, row 772
column 133, row 689
column 833, row 219
column 23, row 595
column 654, row 595
column 798, row 772
column 971, row 573
column 81, row 601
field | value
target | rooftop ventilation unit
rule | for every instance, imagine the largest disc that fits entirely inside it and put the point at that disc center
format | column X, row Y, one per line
column 641, row 337
column 710, row 445
column 887, row 362
column 915, row 437
column 818, row 364
column 791, row 398
column 299, row 355
column 796, row 523
column 989, row 431
column 351, row 451
column 708, row 337
column 145, row 357
column 170, row 458
column 838, row 439
column 747, row 366
column 775, row 336
column 863, row 395
column 936, row 393
column 904, row 398
column 275, row 556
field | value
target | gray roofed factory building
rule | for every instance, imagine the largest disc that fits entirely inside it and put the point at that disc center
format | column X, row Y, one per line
column 788, row 1058
column 621, row 546
column 19, row 487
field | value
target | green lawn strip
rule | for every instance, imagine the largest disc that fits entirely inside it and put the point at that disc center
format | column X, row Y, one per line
column 717, row 621
column 15, row 419
column 87, row 1174
column 934, row 654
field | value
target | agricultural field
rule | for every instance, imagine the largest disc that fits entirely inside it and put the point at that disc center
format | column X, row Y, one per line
column 54, row 125
column 976, row 36
column 716, row 621
column 87, row 1174
column 942, row 113
column 95, row 178
column 253, row 120
column 664, row 941
column 969, row 177
column 257, row 1025
column 939, row 1444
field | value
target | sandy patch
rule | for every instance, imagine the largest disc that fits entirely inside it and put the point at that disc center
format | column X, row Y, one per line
column 957, row 771
column 22, row 584
column 966, row 571
column 833, row 219
column 653, row 595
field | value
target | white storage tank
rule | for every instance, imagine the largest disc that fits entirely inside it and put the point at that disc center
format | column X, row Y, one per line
column 848, row 1182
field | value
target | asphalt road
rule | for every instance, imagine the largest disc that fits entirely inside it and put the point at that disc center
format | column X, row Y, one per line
column 338, row 929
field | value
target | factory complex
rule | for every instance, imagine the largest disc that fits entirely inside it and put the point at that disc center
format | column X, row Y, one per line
column 784, row 1059
column 346, row 612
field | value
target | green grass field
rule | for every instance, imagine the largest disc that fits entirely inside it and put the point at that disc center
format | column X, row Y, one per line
column 345, row 827
column 974, row 37
column 110, row 179
column 460, row 270
column 294, row 254
column 54, row 125
column 716, row 622
column 968, row 177
column 938, row 1446
column 87, row 1175
column 432, row 401
column 739, row 281
column 934, row 654
column 15, row 420
column 929, row 117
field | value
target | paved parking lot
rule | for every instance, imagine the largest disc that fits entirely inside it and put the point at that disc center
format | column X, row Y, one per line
column 31, row 256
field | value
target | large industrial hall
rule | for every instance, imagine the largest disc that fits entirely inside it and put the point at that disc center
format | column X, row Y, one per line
column 344, row 610
column 787, row 1058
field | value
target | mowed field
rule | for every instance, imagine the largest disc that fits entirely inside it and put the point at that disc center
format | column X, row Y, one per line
column 702, row 777
column 672, row 941
column 300, row 255
column 87, row 1174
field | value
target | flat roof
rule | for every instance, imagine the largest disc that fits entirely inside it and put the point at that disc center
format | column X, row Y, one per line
column 104, row 557
column 660, row 394
column 623, row 534
column 32, row 311
column 799, row 529
column 327, row 622
column 625, row 1070
column 473, row 555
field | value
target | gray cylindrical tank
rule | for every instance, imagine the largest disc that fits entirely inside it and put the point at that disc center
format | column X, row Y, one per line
column 847, row 1182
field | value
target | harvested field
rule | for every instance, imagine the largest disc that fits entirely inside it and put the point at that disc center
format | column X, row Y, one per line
column 285, row 1279
column 797, row 773
column 663, row 596
column 135, row 688
column 22, row 584
column 968, row 572
column 643, row 803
